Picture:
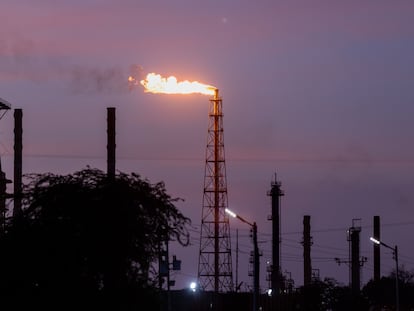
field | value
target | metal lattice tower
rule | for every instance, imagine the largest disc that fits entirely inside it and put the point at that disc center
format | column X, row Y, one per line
column 214, row 266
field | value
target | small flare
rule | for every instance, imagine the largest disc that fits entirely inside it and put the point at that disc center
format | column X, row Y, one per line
column 155, row 83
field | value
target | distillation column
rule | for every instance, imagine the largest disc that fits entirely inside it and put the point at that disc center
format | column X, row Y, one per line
column 276, row 193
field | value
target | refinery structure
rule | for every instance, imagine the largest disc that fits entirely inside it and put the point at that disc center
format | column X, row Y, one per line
column 215, row 263
column 215, row 271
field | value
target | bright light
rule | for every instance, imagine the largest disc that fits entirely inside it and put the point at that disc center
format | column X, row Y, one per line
column 375, row 240
column 232, row 214
column 193, row 286
column 269, row 292
column 155, row 83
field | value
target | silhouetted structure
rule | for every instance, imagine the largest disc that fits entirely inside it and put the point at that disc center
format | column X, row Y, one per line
column 4, row 107
column 3, row 196
column 256, row 269
column 215, row 264
column 111, row 142
column 355, row 266
column 377, row 254
column 18, row 163
column 275, row 193
column 356, row 261
column 254, row 259
column 307, row 242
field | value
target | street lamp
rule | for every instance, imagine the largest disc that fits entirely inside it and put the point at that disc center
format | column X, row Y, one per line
column 256, row 264
column 395, row 253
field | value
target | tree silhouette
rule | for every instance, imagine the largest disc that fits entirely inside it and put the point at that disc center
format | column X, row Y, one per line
column 382, row 293
column 86, row 240
column 329, row 294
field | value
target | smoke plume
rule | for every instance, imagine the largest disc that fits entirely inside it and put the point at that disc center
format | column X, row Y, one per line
column 21, row 60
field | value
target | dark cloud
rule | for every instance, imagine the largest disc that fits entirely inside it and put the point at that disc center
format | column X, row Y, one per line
column 111, row 79
column 94, row 79
column 20, row 60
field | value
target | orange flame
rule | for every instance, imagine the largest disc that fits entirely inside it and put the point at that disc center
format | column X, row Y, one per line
column 155, row 83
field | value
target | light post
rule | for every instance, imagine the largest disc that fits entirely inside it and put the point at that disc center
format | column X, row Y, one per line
column 256, row 264
column 395, row 253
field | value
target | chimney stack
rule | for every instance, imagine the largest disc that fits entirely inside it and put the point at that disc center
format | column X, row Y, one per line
column 111, row 142
column 307, row 266
column 18, row 148
column 276, row 193
column 354, row 238
column 377, row 257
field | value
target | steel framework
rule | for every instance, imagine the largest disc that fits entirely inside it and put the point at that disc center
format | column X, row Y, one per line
column 215, row 263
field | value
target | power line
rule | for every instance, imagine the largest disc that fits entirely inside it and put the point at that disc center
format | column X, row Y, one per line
column 327, row 230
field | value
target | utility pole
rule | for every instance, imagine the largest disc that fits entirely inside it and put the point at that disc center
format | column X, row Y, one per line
column 256, row 259
column 237, row 260
column 377, row 251
column 395, row 254
column 165, row 267
column 256, row 268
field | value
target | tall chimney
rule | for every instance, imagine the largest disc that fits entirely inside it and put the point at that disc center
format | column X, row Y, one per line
column 307, row 267
column 276, row 193
column 355, row 261
column 377, row 256
column 111, row 142
column 18, row 147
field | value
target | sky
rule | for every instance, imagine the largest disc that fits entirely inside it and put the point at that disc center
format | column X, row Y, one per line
column 318, row 93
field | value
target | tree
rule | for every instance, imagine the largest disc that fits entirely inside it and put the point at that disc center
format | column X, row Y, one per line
column 329, row 294
column 85, row 238
column 382, row 293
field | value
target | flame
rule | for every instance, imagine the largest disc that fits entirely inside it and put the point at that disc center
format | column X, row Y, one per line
column 155, row 83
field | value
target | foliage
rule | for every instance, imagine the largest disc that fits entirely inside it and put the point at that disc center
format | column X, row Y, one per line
column 328, row 294
column 84, row 235
column 383, row 293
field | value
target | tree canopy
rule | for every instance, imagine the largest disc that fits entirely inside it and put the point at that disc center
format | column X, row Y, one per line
column 86, row 237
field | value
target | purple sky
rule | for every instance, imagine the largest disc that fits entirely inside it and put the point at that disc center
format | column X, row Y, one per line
column 319, row 92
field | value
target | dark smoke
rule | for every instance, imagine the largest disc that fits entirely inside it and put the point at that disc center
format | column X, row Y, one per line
column 21, row 60
column 18, row 60
column 112, row 80
column 87, row 80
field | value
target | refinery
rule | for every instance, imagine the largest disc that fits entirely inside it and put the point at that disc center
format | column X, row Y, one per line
column 217, row 287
